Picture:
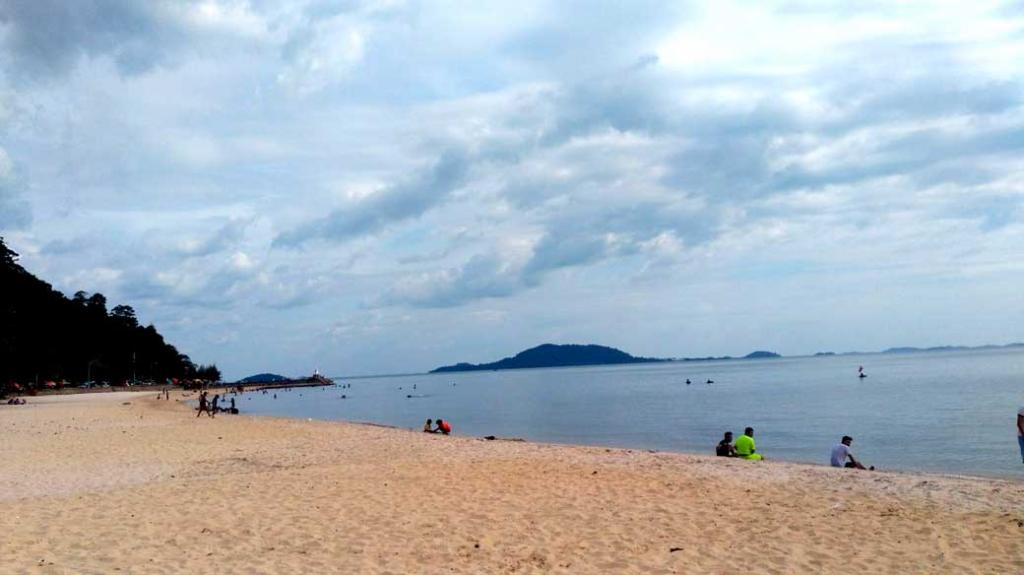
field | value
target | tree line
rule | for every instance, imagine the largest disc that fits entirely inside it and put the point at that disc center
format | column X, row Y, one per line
column 45, row 335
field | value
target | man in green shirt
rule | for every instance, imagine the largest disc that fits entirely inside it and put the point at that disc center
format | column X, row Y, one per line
column 745, row 446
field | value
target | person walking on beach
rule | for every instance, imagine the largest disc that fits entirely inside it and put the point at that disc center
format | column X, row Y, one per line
column 841, row 452
column 724, row 447
column 1020, row 431
column 203, row 407
column 214, row 408
column 745, row 446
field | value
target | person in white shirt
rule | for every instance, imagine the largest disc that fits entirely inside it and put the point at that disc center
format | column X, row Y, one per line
column 841, row 452
column 1020, row 432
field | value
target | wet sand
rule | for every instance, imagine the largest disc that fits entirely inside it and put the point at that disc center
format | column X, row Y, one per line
column 124, row 483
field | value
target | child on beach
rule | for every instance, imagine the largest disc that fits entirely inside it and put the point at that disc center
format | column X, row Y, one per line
column 203, row 407
column 428, row 426
column 443, row 427
column 724, row 447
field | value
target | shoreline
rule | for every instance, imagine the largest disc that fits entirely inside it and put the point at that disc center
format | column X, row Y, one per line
column 704, row 456
column 186, row 398
column 1019, row 478
column 166, row 491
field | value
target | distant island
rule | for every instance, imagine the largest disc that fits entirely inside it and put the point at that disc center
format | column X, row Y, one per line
column 275, row 381
column 751, row 355
column 909, row 349
column 263, row 378
column 761, row 355
column 950, row 348
column 552, row 355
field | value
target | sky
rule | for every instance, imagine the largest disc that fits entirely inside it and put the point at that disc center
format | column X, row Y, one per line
column 386, row 186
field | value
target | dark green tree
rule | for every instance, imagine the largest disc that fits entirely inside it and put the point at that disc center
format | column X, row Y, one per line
column 124, row 315
column 8, row 258
column 45, row 335
column 208, row 372
column 97, row 303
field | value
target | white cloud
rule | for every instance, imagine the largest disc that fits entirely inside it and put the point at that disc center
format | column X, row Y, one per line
column 231, row 16
column 242, row 262
column 14, row 211
column 325, row 53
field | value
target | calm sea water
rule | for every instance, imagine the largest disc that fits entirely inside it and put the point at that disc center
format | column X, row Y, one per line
column 952, row 412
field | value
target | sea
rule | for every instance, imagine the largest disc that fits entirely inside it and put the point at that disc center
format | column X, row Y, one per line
column 947, row 412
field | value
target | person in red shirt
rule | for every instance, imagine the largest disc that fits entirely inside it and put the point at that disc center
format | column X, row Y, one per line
column 443, row 426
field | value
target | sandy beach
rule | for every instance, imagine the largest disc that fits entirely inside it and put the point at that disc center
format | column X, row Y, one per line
column 124, row 483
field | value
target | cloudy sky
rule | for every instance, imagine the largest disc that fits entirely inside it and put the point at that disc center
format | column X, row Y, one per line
column 387, row 186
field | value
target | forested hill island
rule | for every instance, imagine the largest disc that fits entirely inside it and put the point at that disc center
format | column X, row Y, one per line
column 551, row 355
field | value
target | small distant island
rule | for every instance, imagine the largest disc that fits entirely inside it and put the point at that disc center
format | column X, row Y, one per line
column 751, row 355
column 263, row 378
column 938, row 348
column 552, row 355
column 273, row 380
column 951, row 348
column 761, row 355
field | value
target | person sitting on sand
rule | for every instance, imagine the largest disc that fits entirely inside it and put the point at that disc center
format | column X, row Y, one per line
column 745, row 446
column 428, row 426
column 841, row 452
column 443, row 427
column 724, row 447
